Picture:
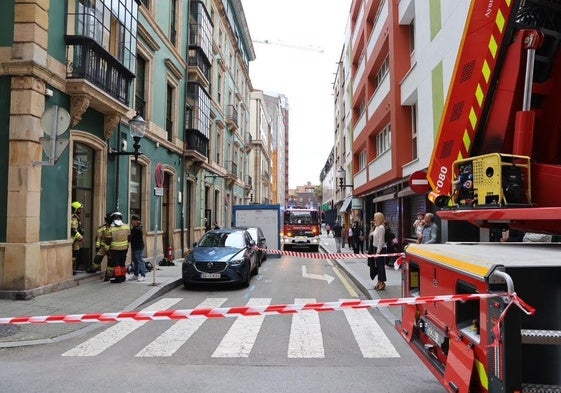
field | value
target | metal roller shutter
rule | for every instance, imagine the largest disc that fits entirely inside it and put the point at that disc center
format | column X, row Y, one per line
column 390, row 210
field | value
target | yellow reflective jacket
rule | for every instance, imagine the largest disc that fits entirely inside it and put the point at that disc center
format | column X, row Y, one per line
column 118, row 237
column 100, row 237
column 76, row 228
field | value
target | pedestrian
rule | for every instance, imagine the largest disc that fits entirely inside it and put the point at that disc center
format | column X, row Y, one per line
column 358, row 238
column 216, row 226
column 430, row 230
column 378, row 246
column 137, row 249
column 328, row 229
column 76, row 233
column 391, row 243
column 117, row 239
column 418, row 226
column 350, row 236
column 338, row 235
column 100, row 250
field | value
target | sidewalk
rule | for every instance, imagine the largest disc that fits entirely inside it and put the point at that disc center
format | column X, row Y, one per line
column 88, row 296
column 93, row 295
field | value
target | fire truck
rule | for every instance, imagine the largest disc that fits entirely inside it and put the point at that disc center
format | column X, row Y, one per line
column 301, row 229
column 496, row 164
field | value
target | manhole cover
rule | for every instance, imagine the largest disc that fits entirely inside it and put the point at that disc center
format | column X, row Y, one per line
column 8, row 330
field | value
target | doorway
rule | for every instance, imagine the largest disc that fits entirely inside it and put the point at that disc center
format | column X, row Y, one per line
column 82, row 191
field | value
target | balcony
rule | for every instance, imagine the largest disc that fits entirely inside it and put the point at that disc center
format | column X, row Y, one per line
column 87, row 61
column 198, row 69
column 231, row 173
column 196, row 147
column 232, row 118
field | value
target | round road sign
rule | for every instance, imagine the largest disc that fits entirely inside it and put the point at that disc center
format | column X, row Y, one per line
column 418, row 182
column 159, row 175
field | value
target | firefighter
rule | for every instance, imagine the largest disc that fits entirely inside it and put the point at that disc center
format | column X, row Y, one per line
column 101, row 248
column 76, row 232
column 117, row 240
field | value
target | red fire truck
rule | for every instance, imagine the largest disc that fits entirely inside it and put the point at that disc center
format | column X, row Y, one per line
column 496, row 164
column 301, row 229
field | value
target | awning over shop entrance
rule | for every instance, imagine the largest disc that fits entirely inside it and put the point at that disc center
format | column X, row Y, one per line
column 346, row 204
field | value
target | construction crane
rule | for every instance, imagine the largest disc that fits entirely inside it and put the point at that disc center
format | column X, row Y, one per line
column 294, row 46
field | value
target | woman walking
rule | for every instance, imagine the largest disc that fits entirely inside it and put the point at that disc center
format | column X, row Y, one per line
column 376, row 238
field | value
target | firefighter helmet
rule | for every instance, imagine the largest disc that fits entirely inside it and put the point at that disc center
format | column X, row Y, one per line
column 76, row 205
column 117, row 218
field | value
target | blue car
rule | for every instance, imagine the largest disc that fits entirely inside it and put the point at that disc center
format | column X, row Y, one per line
column 222, row 256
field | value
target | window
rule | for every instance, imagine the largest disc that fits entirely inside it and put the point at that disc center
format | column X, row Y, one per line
column 170, row 95
column 135, row 190
column 383, row 140
column 200, row 103
column 110, row 23
column 414, row 153
column 218, row 147
column 173, row 22
column 140, row 87
column 383, row 71
column 362, row 160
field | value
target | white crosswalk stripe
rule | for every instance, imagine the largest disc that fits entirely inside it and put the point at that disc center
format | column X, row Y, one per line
column 239, row 340
column 305, row 340
column 370, row 337
column 305, row 334
column 109, row 337
column 173, row 338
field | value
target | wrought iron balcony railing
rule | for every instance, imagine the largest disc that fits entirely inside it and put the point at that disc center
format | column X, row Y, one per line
column 86, row 59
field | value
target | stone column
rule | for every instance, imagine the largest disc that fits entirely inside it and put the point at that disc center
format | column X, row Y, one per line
column 23, row 252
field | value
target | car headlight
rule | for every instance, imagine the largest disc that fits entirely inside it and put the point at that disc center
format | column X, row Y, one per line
column 189, row 259
column 236, row 262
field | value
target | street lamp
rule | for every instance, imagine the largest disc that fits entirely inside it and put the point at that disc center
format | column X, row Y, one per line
column 341, row 176
column 137, row 129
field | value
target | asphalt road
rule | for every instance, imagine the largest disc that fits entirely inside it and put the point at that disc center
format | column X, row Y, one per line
column 339, row 351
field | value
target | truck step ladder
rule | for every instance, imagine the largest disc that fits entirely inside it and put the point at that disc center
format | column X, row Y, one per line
column 543, row 337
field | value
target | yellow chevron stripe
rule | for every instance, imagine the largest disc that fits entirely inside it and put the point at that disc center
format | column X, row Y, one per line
column 479, row 95
column 472, row 118
column 483, row 378
column 493, row 46
column 486, row 71
column 500, row 21
column 467, row 140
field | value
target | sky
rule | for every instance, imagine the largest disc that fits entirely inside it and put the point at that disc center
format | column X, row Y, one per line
column 292, row 65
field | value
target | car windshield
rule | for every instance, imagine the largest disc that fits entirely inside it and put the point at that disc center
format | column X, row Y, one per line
column 223, row 239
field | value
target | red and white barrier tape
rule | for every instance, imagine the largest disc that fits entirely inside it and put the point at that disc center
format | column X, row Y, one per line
column 246, row 311
column 317, row 255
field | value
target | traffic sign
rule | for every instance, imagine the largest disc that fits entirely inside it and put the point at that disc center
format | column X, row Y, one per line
column 158, row 191
column 419, row 183
column 159, row 175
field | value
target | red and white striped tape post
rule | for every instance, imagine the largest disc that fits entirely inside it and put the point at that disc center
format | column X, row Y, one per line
column 244, row 311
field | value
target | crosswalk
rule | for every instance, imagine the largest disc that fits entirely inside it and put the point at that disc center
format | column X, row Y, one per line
column 305, row 340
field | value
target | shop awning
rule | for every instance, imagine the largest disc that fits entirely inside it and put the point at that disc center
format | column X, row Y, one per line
column 386, row 197
column 346, row 204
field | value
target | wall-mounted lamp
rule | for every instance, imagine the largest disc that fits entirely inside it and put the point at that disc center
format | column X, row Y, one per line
column 341, row 176
column 137, row 129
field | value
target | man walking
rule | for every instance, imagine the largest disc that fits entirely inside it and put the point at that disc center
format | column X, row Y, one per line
column 337, row 234
column 137, row 249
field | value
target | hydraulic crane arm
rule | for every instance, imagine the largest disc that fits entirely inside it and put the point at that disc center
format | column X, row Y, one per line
column 479, row 52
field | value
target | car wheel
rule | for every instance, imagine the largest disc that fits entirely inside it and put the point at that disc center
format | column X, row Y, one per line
column 186, row 285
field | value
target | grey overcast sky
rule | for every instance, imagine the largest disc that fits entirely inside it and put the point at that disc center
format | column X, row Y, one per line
column 293, row 66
